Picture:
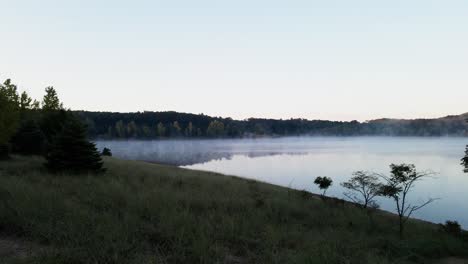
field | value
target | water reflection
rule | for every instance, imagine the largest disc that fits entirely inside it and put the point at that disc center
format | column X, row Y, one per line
column 190, row 152
column 295, row 162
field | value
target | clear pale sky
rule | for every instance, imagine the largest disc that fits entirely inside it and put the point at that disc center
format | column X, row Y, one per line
column 340, row 60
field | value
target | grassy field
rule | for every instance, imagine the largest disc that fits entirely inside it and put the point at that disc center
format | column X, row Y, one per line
column 146, row 213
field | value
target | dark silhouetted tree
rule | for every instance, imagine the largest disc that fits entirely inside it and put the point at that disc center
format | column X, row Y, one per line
column 52, row 123
column 29, row 139
column 323, row 183
column 402, row 179
column 9, row 115
column 465, row 160
column 54, row 116
column 51, row 102
column 452, row 227
column 71, row 151
column 363, row 187
column 106, row 152
column 27, row 103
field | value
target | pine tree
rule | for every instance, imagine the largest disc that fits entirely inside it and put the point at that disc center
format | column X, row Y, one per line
column 71, row 151
column 9, row 115
column 52, row 122
column 29, row 139
column 51, row 102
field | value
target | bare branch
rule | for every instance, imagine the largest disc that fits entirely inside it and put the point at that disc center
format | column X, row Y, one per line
column 415, row 208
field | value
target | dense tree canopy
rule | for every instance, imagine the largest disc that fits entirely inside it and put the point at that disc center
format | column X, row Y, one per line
column 51, row 131
column 173, row 124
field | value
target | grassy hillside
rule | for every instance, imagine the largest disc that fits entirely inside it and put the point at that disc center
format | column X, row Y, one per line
column 145, row 213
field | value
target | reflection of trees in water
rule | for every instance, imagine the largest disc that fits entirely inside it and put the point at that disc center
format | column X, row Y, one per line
column 185, row 153
column 465, row 160
column 186, row 159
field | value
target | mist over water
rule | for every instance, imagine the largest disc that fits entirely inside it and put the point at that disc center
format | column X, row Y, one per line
column 295, row 162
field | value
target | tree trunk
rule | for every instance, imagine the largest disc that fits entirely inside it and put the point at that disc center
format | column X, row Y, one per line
column 401, row 227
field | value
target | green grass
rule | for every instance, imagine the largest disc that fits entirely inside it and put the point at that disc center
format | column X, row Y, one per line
column 146, row 213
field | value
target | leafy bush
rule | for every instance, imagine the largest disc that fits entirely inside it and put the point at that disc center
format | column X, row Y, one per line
column 364, row 187
column 323, row 183
column 106, row 152
column 452, row 227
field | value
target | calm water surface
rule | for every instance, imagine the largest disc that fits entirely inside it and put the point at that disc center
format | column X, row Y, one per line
column 295, row 162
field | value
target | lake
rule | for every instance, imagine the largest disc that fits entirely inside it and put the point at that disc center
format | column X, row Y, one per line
column 295, row 162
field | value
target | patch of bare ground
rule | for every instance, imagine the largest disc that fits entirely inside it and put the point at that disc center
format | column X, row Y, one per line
column 230, row 259
column 11, row 247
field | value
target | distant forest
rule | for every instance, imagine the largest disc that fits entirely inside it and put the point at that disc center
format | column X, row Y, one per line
column 153, row 125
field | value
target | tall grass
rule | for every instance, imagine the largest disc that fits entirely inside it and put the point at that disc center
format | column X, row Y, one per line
column 146, row 213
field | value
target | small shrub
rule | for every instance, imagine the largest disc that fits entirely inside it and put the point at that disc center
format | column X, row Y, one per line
column 452, row 227
column 323, row 183
column 106, row 152
column 363, row 188
column 259, row 202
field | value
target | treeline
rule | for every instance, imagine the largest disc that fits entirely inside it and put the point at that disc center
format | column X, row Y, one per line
column 30, row 127
column 150, row 125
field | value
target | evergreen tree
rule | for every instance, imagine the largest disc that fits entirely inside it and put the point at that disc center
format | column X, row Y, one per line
column 25, row 101
column 71, row 151
column 52, row 123
column 9, row 115
column 51, row 102
column 54, row 116
column 29, row 139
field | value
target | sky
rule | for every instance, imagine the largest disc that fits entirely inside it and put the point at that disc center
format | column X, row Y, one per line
column 334, row 59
